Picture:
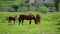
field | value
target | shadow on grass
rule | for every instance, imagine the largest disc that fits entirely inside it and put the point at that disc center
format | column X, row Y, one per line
column 10, row 24
column 58, row 24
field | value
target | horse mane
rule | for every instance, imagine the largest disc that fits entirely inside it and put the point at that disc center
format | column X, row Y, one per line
column 34, row 17
column 19, row 17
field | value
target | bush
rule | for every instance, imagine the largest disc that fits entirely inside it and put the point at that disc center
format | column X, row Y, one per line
column 49, row 5
column 16, row 7
column 43, row 9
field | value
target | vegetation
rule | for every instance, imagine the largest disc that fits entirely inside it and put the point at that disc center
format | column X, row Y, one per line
column 7, row 0
column 57, row 5
column 50, row 21
column 42, row 9
column 48, row 24
column 16, row 7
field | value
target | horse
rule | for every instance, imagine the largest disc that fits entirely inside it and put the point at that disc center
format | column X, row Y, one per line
column 13, row 18
column 23, row 17
column 38, row 18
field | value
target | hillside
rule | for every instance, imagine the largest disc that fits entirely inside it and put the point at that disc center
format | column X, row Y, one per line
column 10, row 2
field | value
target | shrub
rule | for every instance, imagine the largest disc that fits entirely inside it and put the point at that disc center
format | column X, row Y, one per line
column 16, row 7
column 43, row 9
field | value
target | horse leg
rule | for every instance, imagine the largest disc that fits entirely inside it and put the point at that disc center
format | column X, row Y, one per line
column 39, row 21
column 14, row 21
column 9, row 21
column 30, row 22
column 22, row 21
column 19, row 21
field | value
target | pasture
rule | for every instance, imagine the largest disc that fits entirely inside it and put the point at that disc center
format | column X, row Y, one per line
column 48, row 25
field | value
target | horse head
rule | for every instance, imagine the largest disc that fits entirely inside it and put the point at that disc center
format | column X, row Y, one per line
column 38, row 17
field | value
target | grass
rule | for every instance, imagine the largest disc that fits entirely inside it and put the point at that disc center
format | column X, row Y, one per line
column 47, row 25
column 10, row 2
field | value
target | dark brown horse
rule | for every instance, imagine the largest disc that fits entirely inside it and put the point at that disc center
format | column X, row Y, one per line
column 38, row 17
column 13, row 18
column 23, row 17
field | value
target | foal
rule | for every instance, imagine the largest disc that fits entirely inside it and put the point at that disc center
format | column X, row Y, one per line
column 11, row 18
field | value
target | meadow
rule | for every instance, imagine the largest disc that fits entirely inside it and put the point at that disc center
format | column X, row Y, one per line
column 49, row 24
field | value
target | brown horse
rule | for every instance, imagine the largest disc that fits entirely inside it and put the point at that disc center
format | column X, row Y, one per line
column 38, row 17
column 23, row 17
column 11, row 18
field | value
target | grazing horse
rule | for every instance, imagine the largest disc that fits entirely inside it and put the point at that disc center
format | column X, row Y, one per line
column 38, row 17
column 11, row 18
column 23, row 17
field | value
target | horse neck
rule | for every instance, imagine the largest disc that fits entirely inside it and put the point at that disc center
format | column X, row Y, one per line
column 35, row 21
column 34, row 18
column 19, row 18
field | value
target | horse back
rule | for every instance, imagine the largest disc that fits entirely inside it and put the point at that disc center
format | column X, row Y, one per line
column 12, row 18
column 26, row 16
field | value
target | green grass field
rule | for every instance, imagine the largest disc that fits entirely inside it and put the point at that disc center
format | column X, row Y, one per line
column 48, row 24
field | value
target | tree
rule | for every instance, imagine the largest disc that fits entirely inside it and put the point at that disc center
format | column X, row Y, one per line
column 56, row 4
column 28, row 6
column 21, row 5
column 15, row 7
column 26, row 1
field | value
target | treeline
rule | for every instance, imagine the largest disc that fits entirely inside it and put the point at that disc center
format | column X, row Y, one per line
column 25, row 6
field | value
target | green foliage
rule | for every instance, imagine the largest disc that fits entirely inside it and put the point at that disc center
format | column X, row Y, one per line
column 43, row 9
column 56, row 4
column 7, row 0
column 10, row 2
column 16, row 7
column 49, row 5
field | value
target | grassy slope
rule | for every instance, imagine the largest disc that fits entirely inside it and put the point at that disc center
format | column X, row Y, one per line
column 47, row 25
column 5, row 3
